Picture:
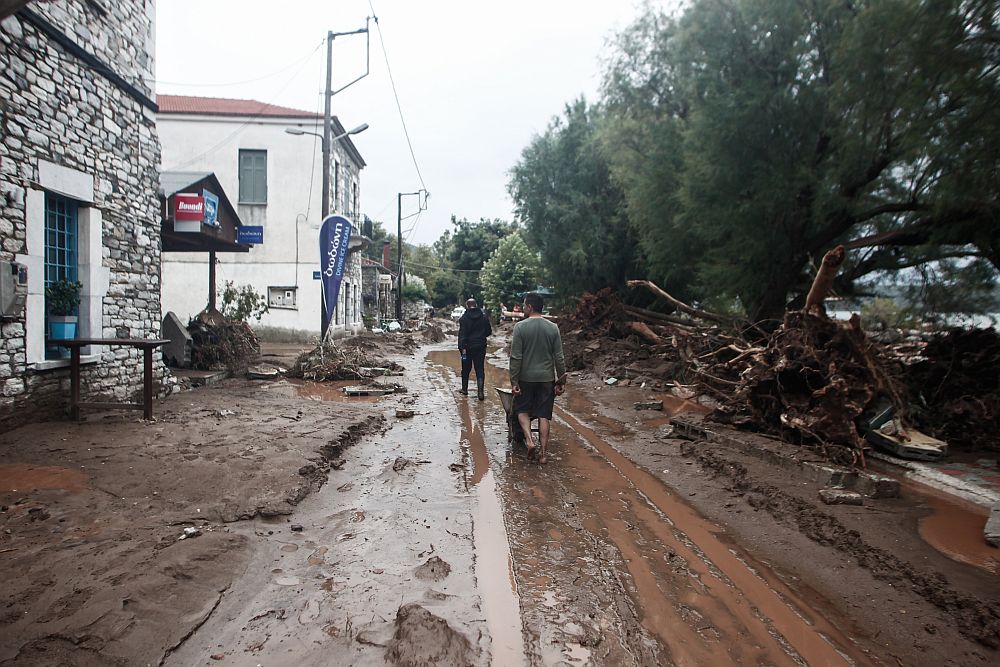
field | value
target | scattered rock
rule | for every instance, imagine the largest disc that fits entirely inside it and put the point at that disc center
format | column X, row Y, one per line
column 38, row 514
column 400, row 463
column 189, row 532
column 296, row 528
column 421, row 638
column 840, row 497
column 404, row 414
column 434, row 569
column 611, row 381
column 217, row 656
column 649, row 405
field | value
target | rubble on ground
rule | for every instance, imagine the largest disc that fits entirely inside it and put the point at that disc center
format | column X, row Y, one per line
column 813, row 381
column 229, row 345
column 355, row 358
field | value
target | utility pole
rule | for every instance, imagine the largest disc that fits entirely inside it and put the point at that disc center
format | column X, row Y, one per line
column 328, row 94
column 327, row 129
column 421, row 205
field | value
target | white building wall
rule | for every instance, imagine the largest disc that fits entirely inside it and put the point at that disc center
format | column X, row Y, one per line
column 290, row 218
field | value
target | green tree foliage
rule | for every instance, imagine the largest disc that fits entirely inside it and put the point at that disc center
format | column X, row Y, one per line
column 242, row 303
column 512, row 269
column 749, row 136
column 572, row 212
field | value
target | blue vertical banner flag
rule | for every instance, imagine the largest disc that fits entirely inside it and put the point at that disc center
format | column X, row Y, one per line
column 334, row 237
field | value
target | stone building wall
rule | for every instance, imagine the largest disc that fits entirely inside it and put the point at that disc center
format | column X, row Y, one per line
column 84, row 130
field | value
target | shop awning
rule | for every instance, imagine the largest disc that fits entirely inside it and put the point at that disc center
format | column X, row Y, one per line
column 217, row 229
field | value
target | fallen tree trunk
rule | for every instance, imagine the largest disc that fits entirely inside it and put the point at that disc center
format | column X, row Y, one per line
column 645, row 332
column 677, row 303
column 645, row 314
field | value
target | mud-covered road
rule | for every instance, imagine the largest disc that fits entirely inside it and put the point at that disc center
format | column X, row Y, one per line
column 435, row 541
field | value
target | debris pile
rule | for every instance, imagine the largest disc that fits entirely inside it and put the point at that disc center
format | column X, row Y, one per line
column 813, row 381
column 230, row 345
column 954, row 386
column 351, row 359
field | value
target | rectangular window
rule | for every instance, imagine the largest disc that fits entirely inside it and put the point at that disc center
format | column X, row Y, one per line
column 253, row 177
column 282, row 297
column 61, row 248
column 61, row 232
column 354, row 201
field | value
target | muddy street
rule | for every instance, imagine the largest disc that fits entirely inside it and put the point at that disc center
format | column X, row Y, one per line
column 426, row 537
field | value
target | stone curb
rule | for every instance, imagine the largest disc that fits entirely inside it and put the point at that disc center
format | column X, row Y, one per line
column 921, row 472
column 828, row 475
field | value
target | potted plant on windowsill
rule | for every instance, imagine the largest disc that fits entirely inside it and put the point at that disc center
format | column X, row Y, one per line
column 61, row 299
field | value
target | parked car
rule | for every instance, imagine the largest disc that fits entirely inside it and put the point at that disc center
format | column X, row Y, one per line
column 457, row 313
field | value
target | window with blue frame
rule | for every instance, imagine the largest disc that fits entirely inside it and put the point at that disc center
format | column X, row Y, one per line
column 61, row 243
column 61, row 227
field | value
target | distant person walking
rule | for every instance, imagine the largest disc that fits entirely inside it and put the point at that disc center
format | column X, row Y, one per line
column 537, row 373
column 473, row 330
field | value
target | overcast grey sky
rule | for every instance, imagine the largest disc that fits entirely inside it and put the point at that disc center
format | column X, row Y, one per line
column 476, row 81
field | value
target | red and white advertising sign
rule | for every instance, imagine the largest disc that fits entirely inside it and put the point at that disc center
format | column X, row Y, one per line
column 189, row 207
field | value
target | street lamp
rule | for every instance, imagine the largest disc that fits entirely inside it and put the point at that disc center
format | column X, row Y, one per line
column 326, row 185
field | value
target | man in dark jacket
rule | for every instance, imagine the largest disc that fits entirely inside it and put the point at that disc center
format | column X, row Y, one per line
column 473, row 330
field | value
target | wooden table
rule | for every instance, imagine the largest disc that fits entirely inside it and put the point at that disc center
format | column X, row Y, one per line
column 147, row 345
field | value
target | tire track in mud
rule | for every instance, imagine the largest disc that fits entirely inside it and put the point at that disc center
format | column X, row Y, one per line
column 975, row 619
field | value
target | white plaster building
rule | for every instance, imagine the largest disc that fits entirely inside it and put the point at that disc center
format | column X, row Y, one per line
column 275, row 180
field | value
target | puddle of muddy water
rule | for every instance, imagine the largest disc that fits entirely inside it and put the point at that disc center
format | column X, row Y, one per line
column 329, row 391
column 955, row 528
column 494, row 565
column 24, row 477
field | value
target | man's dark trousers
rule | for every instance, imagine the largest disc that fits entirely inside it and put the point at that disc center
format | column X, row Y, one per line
column 475, row 357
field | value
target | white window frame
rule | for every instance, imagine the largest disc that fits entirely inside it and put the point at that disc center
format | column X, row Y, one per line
column 92, row 273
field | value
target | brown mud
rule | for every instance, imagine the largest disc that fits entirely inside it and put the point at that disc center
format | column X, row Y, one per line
column 433, row 540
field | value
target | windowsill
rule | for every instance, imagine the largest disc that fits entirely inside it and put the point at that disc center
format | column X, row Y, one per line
column 273, row 307
column 252, row 203
column 53, row 364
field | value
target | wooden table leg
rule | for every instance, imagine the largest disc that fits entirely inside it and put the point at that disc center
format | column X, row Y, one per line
column 74, row 383
column 147, row 383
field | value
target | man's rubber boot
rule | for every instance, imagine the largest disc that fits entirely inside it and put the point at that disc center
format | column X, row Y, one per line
column 464, row 391
column 481, row 382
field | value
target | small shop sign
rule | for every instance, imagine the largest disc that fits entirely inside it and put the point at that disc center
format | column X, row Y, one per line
column 189, row 212
column 250, row 234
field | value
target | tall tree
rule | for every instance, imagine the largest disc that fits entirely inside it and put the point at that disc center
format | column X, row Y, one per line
column 753, row 135
column 511, row 270
column 572, row 213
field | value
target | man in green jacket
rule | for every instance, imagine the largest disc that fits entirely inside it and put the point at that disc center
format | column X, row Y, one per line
column 537, row 373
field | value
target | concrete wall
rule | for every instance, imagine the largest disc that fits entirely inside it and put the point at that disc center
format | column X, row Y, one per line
column 67, row 129
column 291, row 217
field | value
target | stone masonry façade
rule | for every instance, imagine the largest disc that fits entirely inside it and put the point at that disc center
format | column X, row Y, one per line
column 58, row 113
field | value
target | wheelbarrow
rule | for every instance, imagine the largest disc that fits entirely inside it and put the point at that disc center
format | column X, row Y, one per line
column 514, row 433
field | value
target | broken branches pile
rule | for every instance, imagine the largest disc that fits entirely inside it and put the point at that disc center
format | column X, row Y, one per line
column 812, row 381
column 954, row 387
column 230, row 344
column 341, row 362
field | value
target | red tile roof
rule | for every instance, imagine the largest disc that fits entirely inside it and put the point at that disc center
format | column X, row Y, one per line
column 218, row 106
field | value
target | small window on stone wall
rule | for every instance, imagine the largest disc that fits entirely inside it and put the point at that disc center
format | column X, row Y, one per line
column 282, row 297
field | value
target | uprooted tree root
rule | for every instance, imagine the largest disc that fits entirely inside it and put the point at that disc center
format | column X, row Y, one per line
column 341, row 362
column 813, row 381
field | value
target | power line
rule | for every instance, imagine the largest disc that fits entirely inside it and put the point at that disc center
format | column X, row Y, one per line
column 395, row 94
column 249, row 120
column 233, row 83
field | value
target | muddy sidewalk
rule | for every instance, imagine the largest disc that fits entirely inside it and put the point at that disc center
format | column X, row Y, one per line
column 93, row 515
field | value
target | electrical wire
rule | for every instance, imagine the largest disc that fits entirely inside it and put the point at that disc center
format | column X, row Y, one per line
column 395, row 93
column 248, row 121
column 233, row 83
